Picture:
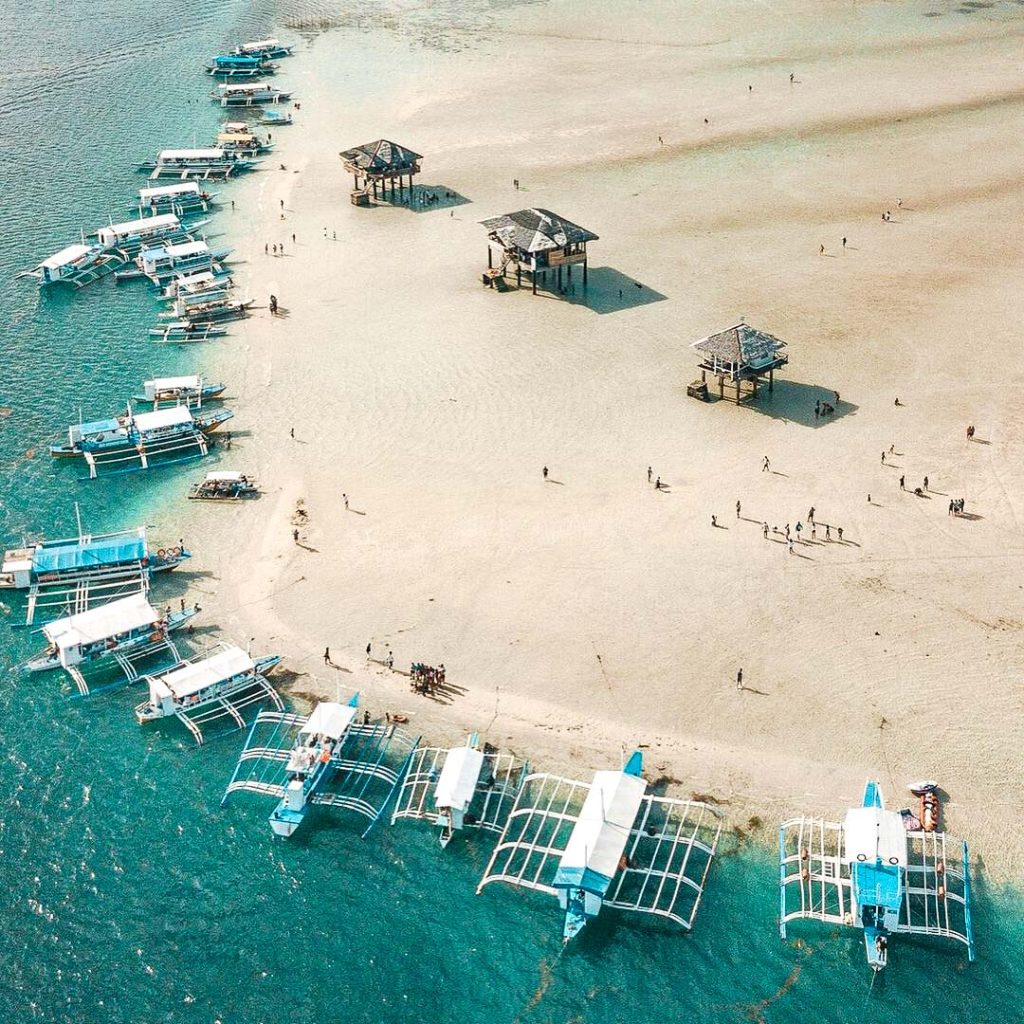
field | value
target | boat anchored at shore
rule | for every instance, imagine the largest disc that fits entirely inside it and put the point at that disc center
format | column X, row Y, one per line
column 265, row 49
column 879, row 871
column 141, row 440
column 624, row 847
column 224, row 485
column 189, row 390
column 211, row 162
column 161, row 263
column 184, row 199
column 121, row 633
column 461, row 787
column 325, row 759
column 248, row 95
column 85, row 571
column 203, row 690
column 240, row 65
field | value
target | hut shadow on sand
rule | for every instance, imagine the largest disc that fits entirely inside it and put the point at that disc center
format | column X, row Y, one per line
column 794, row 402
column 425, row 198
column 609, row 291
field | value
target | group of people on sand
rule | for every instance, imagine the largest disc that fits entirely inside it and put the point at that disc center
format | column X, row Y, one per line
column 795, row 534
column 426, row 678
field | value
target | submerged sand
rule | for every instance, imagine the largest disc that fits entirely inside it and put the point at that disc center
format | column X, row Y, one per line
column 584, row 615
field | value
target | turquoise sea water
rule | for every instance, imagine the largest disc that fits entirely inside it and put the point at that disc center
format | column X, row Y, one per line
column 127, row 893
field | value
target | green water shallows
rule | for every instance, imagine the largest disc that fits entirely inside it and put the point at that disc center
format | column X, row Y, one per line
column 128, row 895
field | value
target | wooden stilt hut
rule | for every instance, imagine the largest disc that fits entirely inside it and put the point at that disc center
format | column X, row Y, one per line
column 379, row 167
column 739, row 358
column 535, row 242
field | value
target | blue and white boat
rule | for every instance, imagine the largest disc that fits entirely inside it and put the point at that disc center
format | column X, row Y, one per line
column 878, row 871
column 76, row 265
column 161, row 263
column 276, row 118
column 129, row 236
column 249, row 95
column 609, row 843
column 203, row 163
column 238, row 137
column 138, row 441
column 328, row 758
column 184, row 198
column 120, row 633
column 459, row 788
column 238, row 65
column 201, row 690
column 81, row 572
column 265, row 49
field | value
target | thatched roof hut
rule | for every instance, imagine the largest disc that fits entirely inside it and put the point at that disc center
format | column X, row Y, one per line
column 741, row 354
column 381, row 163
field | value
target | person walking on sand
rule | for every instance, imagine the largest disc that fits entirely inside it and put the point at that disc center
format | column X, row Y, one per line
column 791, row 78
column 292, row 432
column 391, row 660
column 648, row 474
column 657, row 484
column 787, row 531
column 844, row 243
column 714, row 520
column 799, row 530
column 903, row 483
column 821, row 250
column 926, row 483
column 295, row 536
column 789, row 541
column 764, row 531
column 828, row 532
column 327, row 655
column 739, row 680
column 545, row 472
column 883, row 458
column 266, row 249
column 344, row 498
column 369, row 646
column 814, row 530
column 737, row 508
column 839, row 530
column 281, row 201
column 810, row 514
column 766, row 465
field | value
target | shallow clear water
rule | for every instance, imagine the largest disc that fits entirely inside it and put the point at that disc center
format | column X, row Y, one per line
column 128, row 894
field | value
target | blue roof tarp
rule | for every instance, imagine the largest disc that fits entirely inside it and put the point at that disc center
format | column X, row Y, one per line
column 89, row 554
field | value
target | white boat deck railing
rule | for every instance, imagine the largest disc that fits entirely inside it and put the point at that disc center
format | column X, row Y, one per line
column 74, row 593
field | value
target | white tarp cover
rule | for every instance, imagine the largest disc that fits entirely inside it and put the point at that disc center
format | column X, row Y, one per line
column 872, row 832
column 602, row 830
column 65, row 256
column 187, row 249
column 172, row 417
column 457, row 781
column 167, row 155
column 167, row 383
column 224, row 476
column 189, row 679
column 145, row 225
column 261, row 44
column 182, row 188
column 103, row 622
column 329, row 719
column 244, row 88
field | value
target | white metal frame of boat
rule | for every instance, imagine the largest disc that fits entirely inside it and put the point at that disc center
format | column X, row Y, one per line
column 184, row 333
column 249, row 94
column 140, row 230
column 461, row 787
column 815, row 883
column 162, row 262
column 182, row 198
column 219, row 685
column 326, row 759
column 607, row 843
column 188, row 390
column 76, row 265
column 224, row 485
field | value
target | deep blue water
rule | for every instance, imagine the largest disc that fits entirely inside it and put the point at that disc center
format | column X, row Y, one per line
column 128, row 894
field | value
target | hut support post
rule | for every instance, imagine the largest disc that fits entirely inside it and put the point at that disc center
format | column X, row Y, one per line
column 584, row 273
column 771, row 380
column 490, row 265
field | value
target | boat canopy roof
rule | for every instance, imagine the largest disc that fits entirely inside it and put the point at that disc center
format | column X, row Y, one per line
column 235, row 126
column 168, row 383
column 165, row 221
column 100, row 623
column 329, row 719
column 183, row 249
column 239, row 136
column 96, row 427
column 161, row 418
column 242, row 87
column 166, row 155
column 67, row 255
column 595, row 847
column 190, row 679
column 87, row 554
column 457, row 781
column 871, row 834
column 225, row 476
column 182, row 188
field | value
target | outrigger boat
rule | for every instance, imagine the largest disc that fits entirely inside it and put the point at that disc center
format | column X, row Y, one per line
column 186, row 333
column 163, row 262
column 224, row 486
column 207, row 306
column 84, row 571
column 241, row 140
column 624, row 847
column 201, row 690
column 248, row 95
column 184, row 198
column 146, row 438
column 464, row 787
column 265, row 49
column 76, row 265
column 190, row 391
column 275, row 117
column 879, row 871
column 212, row 162
column 325, row 758
column 132, row 235
column 193, row 284
column 236, row 65
column 124, row 631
